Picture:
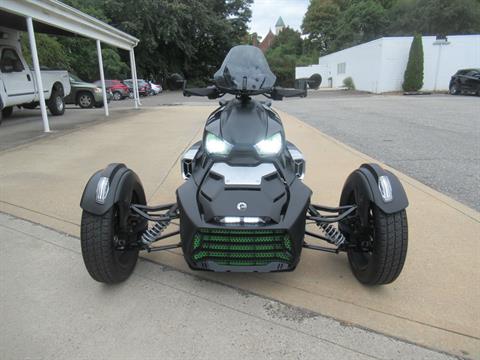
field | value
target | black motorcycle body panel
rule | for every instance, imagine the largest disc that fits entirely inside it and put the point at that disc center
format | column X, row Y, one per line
column 267, row 186
column 363, row 185
column 123, row 184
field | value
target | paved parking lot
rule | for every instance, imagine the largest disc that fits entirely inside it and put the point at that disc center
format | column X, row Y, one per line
column 435, row 139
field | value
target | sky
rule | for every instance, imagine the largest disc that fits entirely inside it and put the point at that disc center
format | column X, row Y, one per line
column 266, row 12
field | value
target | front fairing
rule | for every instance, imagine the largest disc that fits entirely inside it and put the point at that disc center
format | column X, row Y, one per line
column 267, row 189
column 243, row 124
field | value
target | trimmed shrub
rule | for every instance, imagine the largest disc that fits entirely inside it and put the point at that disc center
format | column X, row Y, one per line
column 413, row 77
column 348, row 83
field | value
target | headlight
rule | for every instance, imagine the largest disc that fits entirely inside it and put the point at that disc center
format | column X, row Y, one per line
column 270, row 146
column 97, row 90
column 217, row 146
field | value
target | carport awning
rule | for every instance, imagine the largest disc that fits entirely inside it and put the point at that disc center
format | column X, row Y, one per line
column 56, row 18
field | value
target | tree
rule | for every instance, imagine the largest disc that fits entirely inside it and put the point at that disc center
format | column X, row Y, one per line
column 190, row 37
column 361, row 22
column 51, row 52
column 283, row 66
column 290, row 41
column 320, row 23
column 413, row 78
column 434, row 17
column 333, row 25
column 186, row 36
column 282, row 56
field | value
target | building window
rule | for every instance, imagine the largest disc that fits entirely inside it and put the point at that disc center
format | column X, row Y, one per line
column 341, row 68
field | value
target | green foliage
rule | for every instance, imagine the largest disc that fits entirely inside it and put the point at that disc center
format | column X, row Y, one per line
column 348, row 83
column 320, row 22
column 283, row 66
column 190, row 37
column 51, row 53
column 333, row 25
column 286, row 52
column 185, row 36
column 289, row 41
column 413, row 78
column 434, row 17
column 361, row 22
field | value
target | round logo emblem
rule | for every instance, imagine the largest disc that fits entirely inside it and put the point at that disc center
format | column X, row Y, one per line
column 242, row 206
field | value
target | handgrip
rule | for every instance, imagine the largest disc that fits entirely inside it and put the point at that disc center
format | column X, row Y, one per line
column 210, row 92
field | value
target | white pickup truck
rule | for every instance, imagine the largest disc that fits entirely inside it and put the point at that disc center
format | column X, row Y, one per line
column 17, row 80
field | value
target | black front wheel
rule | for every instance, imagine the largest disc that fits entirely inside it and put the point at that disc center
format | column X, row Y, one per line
column 454, row 89
column 100, row 239
column 381, row 250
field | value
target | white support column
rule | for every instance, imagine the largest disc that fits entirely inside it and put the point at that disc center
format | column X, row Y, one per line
column 38, row 75
column 102, row 77
column 136, row 77
column 134, row 81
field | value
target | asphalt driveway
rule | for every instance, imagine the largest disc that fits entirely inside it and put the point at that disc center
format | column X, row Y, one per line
column 434, row 139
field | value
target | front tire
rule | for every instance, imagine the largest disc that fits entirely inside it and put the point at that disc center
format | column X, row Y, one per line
column 85, row 100
column 387, row 242
column 117, row 96
column 454, row 89
column 99, row 235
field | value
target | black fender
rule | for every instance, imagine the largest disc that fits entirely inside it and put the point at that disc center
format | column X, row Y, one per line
column 363, row 182
column 123, row 183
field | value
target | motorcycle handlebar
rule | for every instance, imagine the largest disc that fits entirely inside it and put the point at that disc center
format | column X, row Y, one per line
column 276, row 93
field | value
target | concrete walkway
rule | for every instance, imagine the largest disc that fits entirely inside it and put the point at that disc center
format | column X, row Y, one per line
column 52, row 309
column 433, row 303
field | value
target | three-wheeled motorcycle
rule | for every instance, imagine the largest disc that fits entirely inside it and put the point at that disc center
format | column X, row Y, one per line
column 243, row 206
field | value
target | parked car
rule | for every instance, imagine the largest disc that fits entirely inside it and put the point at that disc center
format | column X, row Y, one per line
column 143, row 87
column 156, row 88
column 17, row 81
column 84, row 94
column 466, row 80
column 119, row 90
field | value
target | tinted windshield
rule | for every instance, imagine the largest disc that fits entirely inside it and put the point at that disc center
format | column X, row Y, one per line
column 245, row 69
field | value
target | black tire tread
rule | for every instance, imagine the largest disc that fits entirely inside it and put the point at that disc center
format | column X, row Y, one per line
column 392, row 230
column 97, row 251
column 52, row 106
column 391, row 243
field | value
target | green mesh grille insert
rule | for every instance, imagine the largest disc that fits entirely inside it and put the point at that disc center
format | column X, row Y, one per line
column 242, row 247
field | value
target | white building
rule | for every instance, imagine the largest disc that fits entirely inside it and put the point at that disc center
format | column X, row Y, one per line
column 378, row 66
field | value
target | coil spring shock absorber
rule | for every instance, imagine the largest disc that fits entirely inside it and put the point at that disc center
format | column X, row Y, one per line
column 152, row 234
column 335, row 236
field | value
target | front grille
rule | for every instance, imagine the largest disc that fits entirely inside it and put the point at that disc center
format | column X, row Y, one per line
column 242, row 247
